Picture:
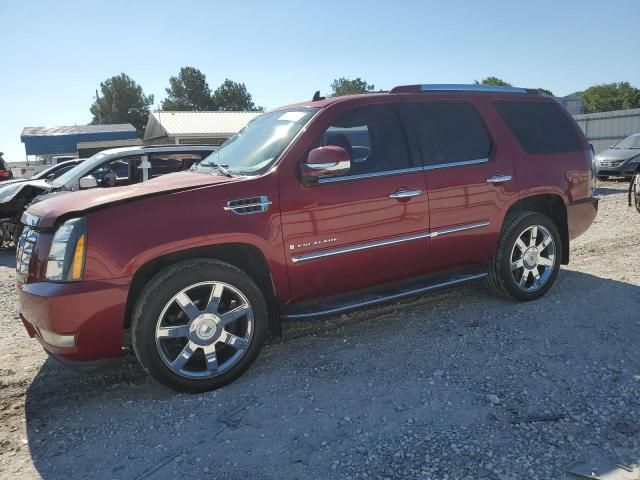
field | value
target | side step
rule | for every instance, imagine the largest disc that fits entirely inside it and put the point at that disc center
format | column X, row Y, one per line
column 367, row 298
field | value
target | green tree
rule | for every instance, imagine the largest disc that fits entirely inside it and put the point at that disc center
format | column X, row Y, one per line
column 545, row 92
column 345, row 86
column 188, row 91
column 492, row 81
column 233, row 96
column 122, row 101
column 610, row 96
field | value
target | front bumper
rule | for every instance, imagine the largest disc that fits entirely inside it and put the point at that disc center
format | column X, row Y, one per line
column 77, row 321
column 580, row 216
column 615, row 171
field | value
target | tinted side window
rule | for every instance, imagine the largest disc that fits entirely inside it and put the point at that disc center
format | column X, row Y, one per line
column 449, row 132
column 62, row 170
column 372, row 136
column 540, row 127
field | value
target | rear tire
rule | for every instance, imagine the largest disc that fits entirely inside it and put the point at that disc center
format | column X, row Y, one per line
column 198, row 325
column 527, row 259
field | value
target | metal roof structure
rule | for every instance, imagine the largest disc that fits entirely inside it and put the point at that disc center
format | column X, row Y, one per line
column 196, row 124
column 77, row 129
column 64, row 140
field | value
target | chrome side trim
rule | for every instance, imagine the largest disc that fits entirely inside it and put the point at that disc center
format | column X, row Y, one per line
column 346, row 178
column 460, row 228
column 461, row 87
column 386, row 298
column 390, row 241
column 355, row 248
column 455, row 164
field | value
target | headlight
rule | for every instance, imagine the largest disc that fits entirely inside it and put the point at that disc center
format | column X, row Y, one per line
column 66, row 257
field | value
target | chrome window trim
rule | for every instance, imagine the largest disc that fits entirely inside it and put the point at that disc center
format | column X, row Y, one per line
column 346, row 178
column 390, row 241
column 437, row 166
column 456, row 87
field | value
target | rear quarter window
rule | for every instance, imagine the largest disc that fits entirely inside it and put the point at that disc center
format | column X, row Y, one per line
column 540, row 127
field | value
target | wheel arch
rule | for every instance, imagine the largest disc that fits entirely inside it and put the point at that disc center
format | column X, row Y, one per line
column 247, row 257
column 553, row 206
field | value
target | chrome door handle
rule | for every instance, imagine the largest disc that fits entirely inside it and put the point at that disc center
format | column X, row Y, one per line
column 405, row 194
column 498, row 178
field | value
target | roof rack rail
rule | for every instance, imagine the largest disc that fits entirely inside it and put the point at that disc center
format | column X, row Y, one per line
column 459, row 87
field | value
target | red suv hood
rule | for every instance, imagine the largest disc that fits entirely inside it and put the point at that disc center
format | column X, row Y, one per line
column 64, row 203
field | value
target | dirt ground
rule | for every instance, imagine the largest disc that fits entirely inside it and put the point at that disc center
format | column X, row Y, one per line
column 455, row 385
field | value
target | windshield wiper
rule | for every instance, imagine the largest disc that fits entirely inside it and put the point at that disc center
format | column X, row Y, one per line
column 222, row 168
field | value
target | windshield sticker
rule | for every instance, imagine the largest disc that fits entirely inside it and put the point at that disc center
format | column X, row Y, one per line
column 292, row 116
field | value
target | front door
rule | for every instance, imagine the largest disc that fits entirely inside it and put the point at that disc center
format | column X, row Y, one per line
column 367, row 227
column 469, row 179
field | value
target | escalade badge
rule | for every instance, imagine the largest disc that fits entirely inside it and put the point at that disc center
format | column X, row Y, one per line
column 314, row 243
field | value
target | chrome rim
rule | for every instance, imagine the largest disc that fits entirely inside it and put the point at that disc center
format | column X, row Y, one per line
column 204, row 330
column 533, row 258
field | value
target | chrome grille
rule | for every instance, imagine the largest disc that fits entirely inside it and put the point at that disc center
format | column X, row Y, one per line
column 26, row 242
column 610, row 163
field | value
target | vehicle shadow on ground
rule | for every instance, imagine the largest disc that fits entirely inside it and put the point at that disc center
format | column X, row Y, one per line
column 8, row 257
column 120, row 424
column 604, row 191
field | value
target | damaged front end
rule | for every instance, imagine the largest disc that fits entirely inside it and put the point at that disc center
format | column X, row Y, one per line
column 14, row 200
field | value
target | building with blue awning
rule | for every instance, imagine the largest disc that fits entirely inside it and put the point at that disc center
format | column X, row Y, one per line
column 48, row 142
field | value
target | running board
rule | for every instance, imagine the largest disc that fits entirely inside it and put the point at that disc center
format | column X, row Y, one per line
column 338, row 305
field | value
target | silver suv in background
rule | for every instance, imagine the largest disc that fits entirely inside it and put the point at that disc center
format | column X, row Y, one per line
column 619, row 160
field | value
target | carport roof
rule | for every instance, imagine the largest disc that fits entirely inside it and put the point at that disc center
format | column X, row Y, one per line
column 77, row 130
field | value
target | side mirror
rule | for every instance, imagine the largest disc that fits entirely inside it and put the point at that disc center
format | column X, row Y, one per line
column 88, row 182
column 329, row 161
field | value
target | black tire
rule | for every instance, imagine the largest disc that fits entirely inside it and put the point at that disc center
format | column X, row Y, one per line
column 154, row 301
column 500, row 278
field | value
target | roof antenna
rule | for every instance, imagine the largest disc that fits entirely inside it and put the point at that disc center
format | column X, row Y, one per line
column 316, row 96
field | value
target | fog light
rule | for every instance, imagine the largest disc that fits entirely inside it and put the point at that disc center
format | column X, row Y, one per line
column 57, row 340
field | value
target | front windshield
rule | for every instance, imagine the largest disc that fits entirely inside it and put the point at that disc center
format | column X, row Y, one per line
column 254, row 148
column 632, row 142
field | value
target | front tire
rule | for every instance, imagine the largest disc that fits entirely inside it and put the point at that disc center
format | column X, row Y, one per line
column 198, row 325
column 527, row 259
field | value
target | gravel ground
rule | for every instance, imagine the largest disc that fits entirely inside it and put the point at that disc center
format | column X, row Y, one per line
column 454, row 385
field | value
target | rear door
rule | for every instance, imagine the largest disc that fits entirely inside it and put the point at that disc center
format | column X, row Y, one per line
column 468, row 176
column 366, row 227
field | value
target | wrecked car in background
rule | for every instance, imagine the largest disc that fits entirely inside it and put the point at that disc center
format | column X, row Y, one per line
column 109, row 168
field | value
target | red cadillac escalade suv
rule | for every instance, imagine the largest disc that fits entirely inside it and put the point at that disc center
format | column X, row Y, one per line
column 313, row 209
